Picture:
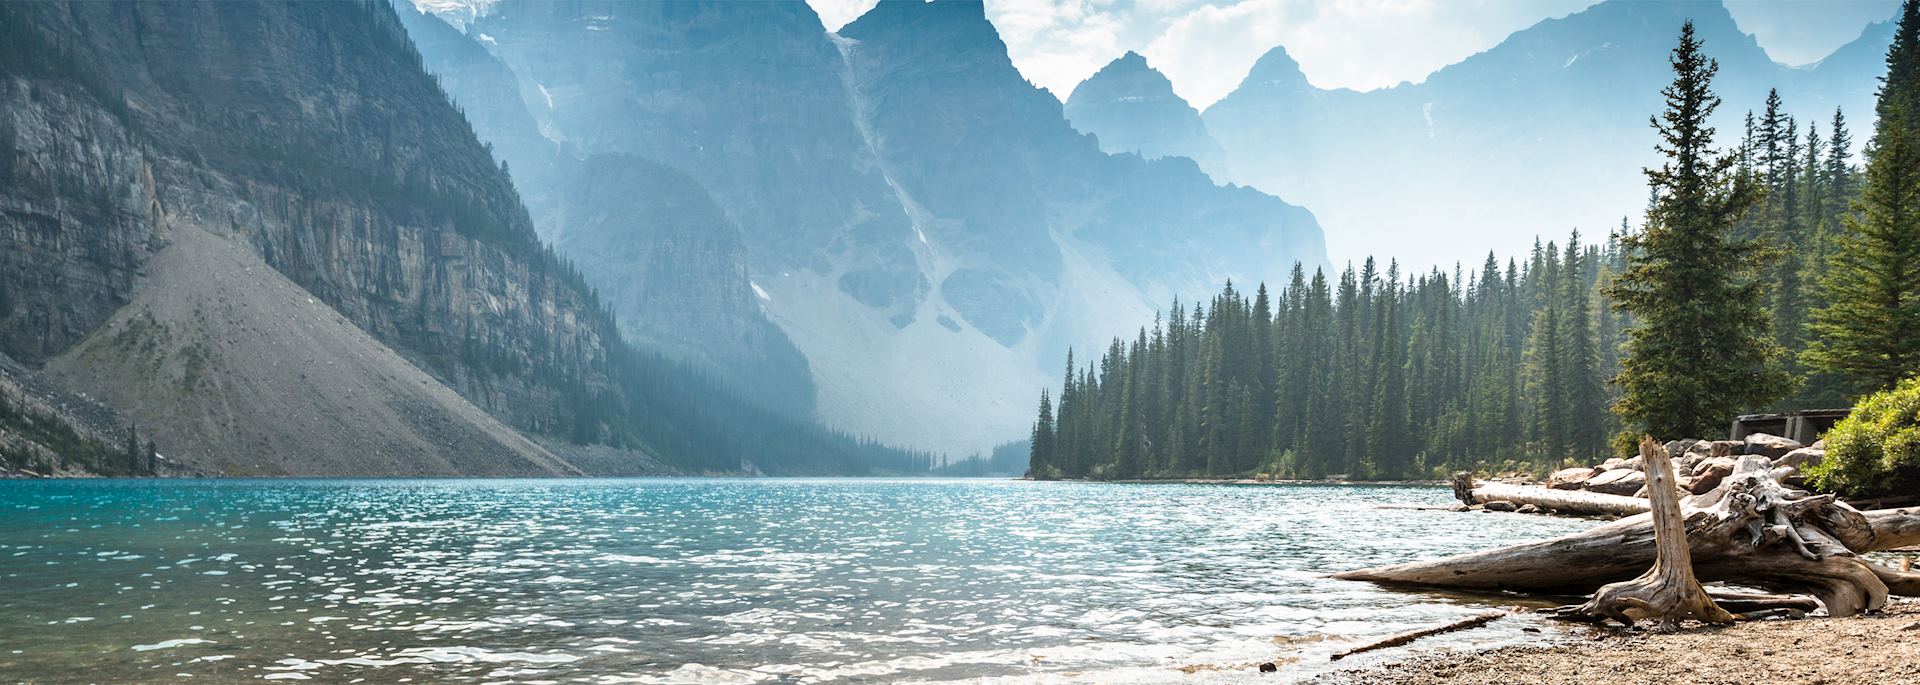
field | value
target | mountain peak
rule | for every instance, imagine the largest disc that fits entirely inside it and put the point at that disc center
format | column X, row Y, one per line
column 954, row 27
column 1131, row 107
column 1126, row 75
column 1276, row 67
column 959, row 12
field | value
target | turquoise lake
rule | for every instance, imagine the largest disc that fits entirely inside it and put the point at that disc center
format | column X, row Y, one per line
column 712, row 581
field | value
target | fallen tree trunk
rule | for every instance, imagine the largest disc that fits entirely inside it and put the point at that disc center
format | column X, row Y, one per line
column 1578, row 502
column 1751, row 529
column 1668, row 592
column 1894, row 528
column 1411, row 635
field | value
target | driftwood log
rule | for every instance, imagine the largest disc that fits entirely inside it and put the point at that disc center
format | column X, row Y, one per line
column 1576, row 502
column 1751, row 530
column 1411, row 635
column 1668, row 592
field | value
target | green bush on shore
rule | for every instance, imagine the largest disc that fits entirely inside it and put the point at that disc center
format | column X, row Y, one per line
column 1876, row 450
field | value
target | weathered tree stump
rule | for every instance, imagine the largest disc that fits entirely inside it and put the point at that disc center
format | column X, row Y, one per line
column 1668, row 592
column 1751, row 529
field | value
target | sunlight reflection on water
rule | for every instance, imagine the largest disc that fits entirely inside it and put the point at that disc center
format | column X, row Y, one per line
column 744, row 581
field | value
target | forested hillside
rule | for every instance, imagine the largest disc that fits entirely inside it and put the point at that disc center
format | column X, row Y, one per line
column 1376, row 373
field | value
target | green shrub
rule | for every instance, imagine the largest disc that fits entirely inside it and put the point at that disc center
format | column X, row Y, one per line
column 1876, row 450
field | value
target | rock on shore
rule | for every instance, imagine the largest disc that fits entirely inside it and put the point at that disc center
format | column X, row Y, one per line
column 1700, row 465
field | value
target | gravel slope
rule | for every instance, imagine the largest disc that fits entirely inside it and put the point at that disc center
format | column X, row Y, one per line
column 238, row 371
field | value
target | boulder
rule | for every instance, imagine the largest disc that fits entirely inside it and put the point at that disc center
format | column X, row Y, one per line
column 1500, row 505
column 1527, row 509
column 1570, row 479
column 1617, row 482
column 1684, row 465
column 1634, row 464
column 1726, row 448
column 1701, row 448
column 1708, row 474
column 1676, row 448
column 1721, row 465
column 1801, row 458
column 1820, row 444
column 1611, row 464
column 1770, row 446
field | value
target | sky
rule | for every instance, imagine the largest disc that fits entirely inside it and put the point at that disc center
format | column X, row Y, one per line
column 1206, row 46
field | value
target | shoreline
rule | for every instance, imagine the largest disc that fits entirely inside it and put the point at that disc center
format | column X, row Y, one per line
column 1876, row 648
column 1244, row 481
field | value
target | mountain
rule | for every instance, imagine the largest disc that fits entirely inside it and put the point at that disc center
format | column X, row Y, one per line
column 261, row 231
column 923, row 223
column 1543, row 132
column 649, row 238
column 1131, row 107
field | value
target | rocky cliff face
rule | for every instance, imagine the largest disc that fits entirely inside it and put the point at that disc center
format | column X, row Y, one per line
column 673, row 268
column 648, row 237
column 923, row 223
column 308, row 134
column 747, row 97
column 1131, row 107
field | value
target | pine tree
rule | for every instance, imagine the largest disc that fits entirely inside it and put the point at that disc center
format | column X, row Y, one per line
column 1040, row 455
column 1700, row 350
column 1544, row 359
column 1870, row 328
column 1840, row 183
column 132, row 454
column 1584, row 398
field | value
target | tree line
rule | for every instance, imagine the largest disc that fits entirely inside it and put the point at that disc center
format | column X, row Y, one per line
column 1771, row 274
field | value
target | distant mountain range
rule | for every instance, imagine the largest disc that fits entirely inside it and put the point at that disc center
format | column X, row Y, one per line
column 923, row 224
column 1541, row 133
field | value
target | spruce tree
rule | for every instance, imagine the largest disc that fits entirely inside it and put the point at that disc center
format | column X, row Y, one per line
column 1869, row 329
column 1584, row 400
column 1546, row 389
column 1840, row 184
column 133, row 450
column 1700, row 349
column 1040, row 454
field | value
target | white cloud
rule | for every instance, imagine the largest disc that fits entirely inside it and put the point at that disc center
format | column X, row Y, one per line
column 1058, row 43
column 838, row 13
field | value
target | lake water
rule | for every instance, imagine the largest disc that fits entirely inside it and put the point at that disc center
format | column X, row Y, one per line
column 723, row 581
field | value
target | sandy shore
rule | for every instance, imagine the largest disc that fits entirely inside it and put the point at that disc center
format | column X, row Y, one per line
column 1883, row 648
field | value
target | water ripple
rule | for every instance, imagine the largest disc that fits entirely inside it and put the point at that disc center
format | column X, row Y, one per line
column 707, row 581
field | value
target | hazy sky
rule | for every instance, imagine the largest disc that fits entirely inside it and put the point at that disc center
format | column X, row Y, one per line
column 1206, row 46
